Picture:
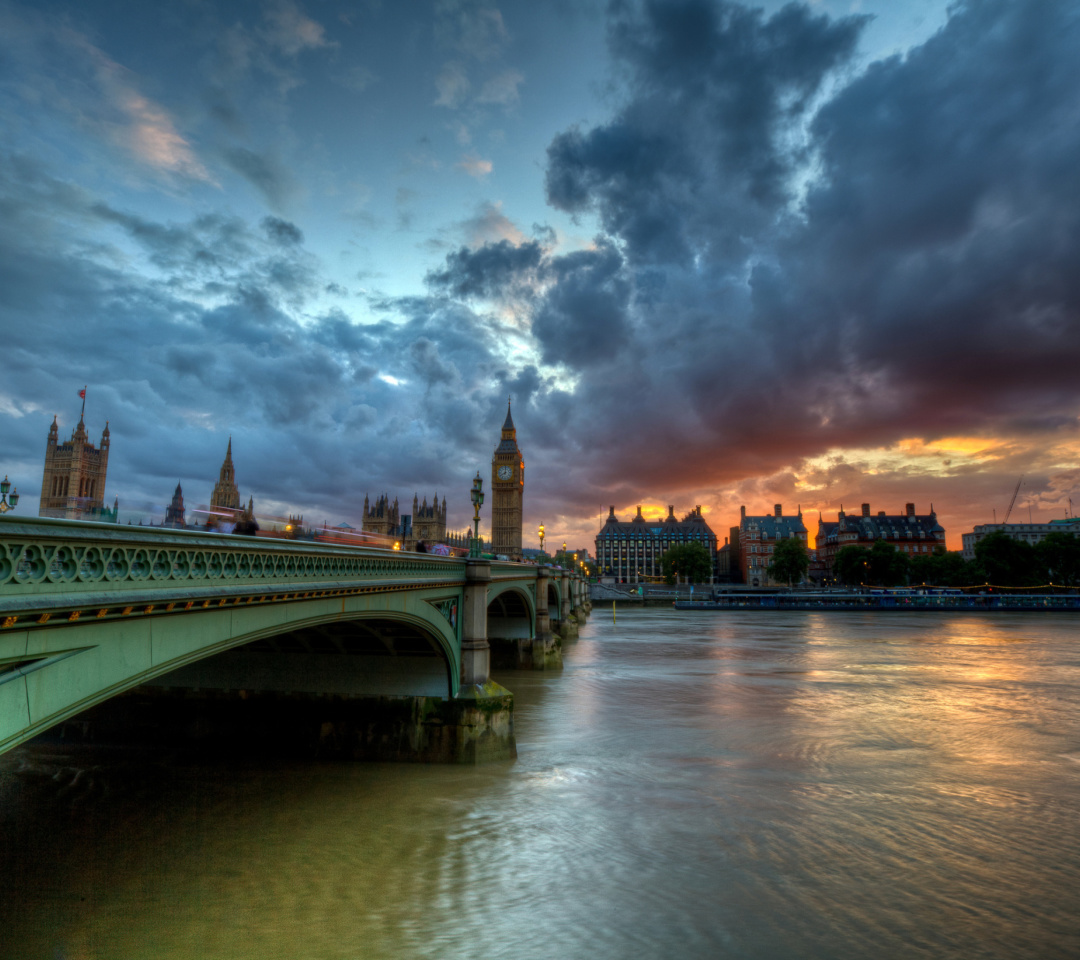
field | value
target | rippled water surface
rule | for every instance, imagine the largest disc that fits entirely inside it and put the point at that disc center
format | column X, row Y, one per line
column 690, row 785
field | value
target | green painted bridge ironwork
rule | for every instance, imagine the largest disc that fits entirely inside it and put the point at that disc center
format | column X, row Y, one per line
column 90, row 610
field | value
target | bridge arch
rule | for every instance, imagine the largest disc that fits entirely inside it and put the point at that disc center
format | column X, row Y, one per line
column 554, row 599
column 375, row 653
column 75, row 665
column 511, row 612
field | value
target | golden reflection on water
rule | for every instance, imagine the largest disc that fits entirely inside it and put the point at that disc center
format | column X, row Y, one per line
column 743, row 786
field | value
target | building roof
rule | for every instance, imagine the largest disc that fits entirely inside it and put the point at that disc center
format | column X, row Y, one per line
column 883, row 526
column 693, row 524
column 774, row 526
column 778, row 527
column 508, row 443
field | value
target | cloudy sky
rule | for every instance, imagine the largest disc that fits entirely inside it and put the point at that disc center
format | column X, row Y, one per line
column 813, row 254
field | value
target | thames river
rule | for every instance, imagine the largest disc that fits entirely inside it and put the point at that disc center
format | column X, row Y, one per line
column 691, row 785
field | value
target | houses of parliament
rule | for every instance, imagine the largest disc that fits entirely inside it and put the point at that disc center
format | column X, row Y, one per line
column 75, row 474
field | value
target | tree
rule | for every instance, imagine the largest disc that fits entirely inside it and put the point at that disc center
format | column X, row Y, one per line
column 690, row 561
column 1002, row 561
column 882, row 564
column 941, row 569
column 1058, row 556
column 790, row 561
column 850, row 565
column 887, row 566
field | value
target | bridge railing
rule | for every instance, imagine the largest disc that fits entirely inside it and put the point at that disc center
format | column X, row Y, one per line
column 40, row 556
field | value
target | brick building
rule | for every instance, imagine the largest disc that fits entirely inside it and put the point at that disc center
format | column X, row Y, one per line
column 910, row 533
column 754, row 538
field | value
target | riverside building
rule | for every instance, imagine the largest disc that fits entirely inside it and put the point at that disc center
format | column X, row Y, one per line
column 1027, row 532
column 752, row 542
column 909, row 532
column 628, row 551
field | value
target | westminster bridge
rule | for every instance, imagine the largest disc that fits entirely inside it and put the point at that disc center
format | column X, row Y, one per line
column 389, row 651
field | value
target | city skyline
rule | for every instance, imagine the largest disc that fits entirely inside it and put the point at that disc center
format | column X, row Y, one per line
column 718, row 256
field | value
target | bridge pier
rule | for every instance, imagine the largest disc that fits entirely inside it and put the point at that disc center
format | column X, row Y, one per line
column 545, row 650
column 479, row 721
column 569, row 623
column 475, row 649
column 581, row 609
column 243, row 723
column 519, row 628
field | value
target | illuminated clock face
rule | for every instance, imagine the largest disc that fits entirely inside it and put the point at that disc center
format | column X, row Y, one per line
column 505, row 473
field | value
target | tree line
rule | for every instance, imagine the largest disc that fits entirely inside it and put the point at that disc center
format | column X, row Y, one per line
column 999, row 560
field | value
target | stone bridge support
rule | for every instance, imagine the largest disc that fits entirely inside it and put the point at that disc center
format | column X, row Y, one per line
column 546, row 650
column 519, row 628
column 569, row 623
column 584, row 606
column 475, row 650
column 480, row 719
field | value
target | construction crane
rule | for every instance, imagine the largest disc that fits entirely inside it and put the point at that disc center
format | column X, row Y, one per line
column 1012, row 502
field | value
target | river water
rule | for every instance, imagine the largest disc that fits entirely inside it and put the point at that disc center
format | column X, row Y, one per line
column 758, row 785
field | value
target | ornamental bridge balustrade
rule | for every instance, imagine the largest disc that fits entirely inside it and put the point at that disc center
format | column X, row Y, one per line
column 90, row 610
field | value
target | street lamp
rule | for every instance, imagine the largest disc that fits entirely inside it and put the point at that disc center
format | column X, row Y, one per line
column 476, row 495
column 541, row 538
column 7, row 502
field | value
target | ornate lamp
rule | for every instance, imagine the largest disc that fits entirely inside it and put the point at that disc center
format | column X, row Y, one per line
column 541, row 538
column 476, row 495
column 7, row 502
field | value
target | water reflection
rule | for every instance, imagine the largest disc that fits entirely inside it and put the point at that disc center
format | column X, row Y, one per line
column 785, row 785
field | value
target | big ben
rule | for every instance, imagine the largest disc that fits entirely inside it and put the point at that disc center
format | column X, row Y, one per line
column 507, row 488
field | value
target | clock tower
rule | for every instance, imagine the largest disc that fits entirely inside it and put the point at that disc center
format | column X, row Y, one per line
column 507, row 487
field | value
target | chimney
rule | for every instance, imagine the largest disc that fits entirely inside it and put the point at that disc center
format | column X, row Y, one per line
column 909, row 509
column 639, row 517
column 866, row 509
column 742, row 513
column 670, row 512
column 777, row 511
column 611, row 513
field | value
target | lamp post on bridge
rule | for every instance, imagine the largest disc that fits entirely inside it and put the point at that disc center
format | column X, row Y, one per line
column 541, row 538
column 477, row 497
column 7, row 502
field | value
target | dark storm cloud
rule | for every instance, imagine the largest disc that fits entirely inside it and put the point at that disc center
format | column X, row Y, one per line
column 697, row 161
column 426, row 361
column 941, row 236
column 794, row 267
column 582, row 319
column 488, row 272
column 282, row 231
column 224, row 335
